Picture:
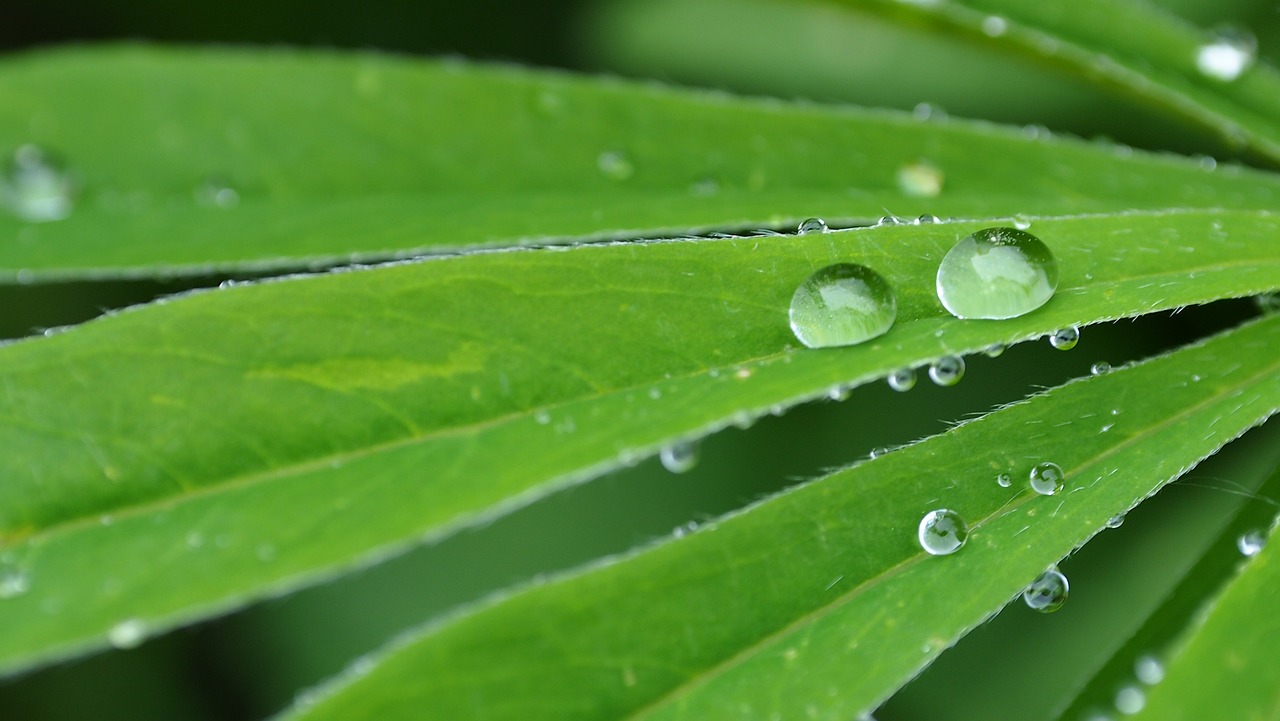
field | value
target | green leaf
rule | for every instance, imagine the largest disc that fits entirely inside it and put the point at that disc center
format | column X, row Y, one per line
column 155, row 452
column 819, row 603
column 1225, row 664
column 1132, row 45
column 363, row 157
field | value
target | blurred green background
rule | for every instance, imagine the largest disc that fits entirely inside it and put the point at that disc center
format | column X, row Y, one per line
column 252, row 663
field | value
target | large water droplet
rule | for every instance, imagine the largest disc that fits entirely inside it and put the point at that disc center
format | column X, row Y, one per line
column 35, row 187
column 842, row 305
column 997, row 273
column 615, row 165
column 1047, row 478
column 680, row 457
column 920, row 179
column 1065, row 338
column 129, row 633
column 942, row 532
column 1227, row 55
column 902, row 380
column 1048, row 592
column 947, row 371
column 1251, row 542
column 812, row 225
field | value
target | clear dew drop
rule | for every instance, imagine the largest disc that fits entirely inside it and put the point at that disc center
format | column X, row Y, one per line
column 942, row 532
column 1130, row 700
column 1115, row 521
column 902, row 380
column 1047, row 478
column 129, row 633
column 1148, row 670
column 1250, row 543
column 928, row 220
column 680, row 457
column 1021, row 222
column 842, row 304
column 997, row 273
column 1228, row 55
column 1065, row 338
column 1099, row 368
column 920, row 179
column 35, row 187
column 811, row 225
column 1048, row 592
column 615, row 165
column 1004, row 480
column 878, row 452
column 995, row 350
column 947, row 371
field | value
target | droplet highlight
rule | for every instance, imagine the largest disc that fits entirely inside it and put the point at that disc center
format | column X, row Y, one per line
column 1065, row 339
column 1250, row 543
column 1148, row 670
column 216, row 192
column 997, row 273
column 1228, row 55
column 615, row 165
column 920, row 179
column 1048, row 592
column 1099, row 368
column 902, row 380
column 811, row 225
column 947, row 371
column 942, row 532
column 1047, row 478
column 1115, row 521
column 36, row 187
column 842, row 305
column 127, row 634
column 680, row 457
column 1004, row 480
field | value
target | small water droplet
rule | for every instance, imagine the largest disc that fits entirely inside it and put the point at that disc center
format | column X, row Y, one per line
column 1021, row 222
column 997, row 273
column 13, row 582
column 995, row 351
column 928, row 220
column 541, row 417
column 947, row 371
column 942, row 532
column 993, row 26
column 1065, row 338
column 1048, row 592
column 902, row 380
column 1251, row 542
column 680, row 457
column 1047, row 478
column 615, row 165
column 127, row 634
column 216, row 192
column 1099, row 368
column 1004, row 480
column 1115, row 521
column 1149, row 670
column 842, row 305
column 811, row 225
column 1130, row 700
column 1228, row 55
column 878, row 452
column 920, row 179
column 928, row 111
column 36, row 187
column 839, row 393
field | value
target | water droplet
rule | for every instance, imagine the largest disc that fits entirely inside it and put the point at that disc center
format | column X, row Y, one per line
column 811, row 225
column 920, row 179
column 928, row 111
column 1048, row 592
column 839, row 393
column 217, row 193
column 1227, row 55
column 1004, row 480
column 1149, row 670
column 1099, row 368
column 942, row 532
column 1130, row 700
column 947, row 371
column 1021, row 222
column 997, row 273
column 541, row 417
column 928, row 220
column 993, row 26
column 615, row 165
column 13, row 583
column 878, row 452
column 680, row 457
column 127, row 634
column 1251, row 542
column 902, row 380
column 1065, row 338
column 1047, row 478
column 841, row 305
column 995, row 351
column 36, row 187
column 1115, row 521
